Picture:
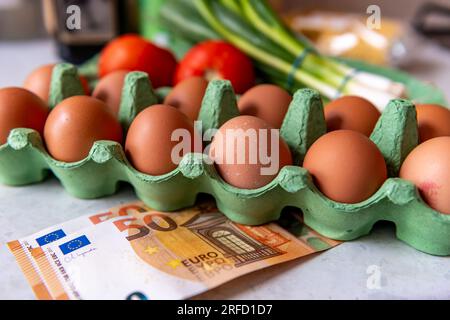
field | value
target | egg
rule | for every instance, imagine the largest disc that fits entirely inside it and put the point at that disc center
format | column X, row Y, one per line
column 266, row 101
column 238, row 152
column 433, row 121
column 75, row 124
column 187, row 96
column 20, row 108
column 38, row 82
column 109, row 89
column 346, row 166
column 428, row 167
column 149, row 142
column 351, row 113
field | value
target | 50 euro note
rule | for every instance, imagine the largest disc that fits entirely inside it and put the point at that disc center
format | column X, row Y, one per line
column 22, row 248
column 160, row 255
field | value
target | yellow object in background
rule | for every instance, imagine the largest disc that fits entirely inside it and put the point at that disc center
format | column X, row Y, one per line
column 347, row 35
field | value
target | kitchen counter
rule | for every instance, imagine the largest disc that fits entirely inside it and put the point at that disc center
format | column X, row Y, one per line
column 377, row 266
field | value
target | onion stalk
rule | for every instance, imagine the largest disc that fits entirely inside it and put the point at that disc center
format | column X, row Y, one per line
column 253, row 27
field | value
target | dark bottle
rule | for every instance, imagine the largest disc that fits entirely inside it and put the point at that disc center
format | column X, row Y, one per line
column 82, row 27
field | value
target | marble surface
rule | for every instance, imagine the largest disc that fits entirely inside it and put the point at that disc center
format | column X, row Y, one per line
column 377, row 266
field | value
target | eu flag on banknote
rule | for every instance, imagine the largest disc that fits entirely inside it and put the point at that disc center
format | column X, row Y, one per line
column 74, row 244
column 50, row 237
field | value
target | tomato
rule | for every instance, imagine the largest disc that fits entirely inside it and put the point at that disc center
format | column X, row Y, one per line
column 85, row 85
column 215, row 59
column 133, row 53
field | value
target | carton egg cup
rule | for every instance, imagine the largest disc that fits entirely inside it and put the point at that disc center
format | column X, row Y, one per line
column 24, row 160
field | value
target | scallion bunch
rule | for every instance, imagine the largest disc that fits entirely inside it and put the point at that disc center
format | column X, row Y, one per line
column 282, row 56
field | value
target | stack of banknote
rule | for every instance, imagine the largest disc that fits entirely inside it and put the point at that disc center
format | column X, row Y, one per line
column 134, row 252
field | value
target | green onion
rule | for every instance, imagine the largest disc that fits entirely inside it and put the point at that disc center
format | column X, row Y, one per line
column 253, row 27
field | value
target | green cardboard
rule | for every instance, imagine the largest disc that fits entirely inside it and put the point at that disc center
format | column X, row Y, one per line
column 64, row 83
column 24, row 160
column 219, row 105
column 304, row 123
column 137, row 94
column 396, row 133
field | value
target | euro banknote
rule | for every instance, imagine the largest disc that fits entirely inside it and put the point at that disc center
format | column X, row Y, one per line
column 135, row 252
column 21, row 248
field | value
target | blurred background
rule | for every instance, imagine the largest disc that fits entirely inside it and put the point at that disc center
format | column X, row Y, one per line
column 413, row 35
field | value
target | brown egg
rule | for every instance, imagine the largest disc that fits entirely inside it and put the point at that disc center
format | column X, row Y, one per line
column 187, row 96
column 20, row 108
column 346, row 166
column 39, row 81
column 266, row 101
column 149, row 144
column 433, row 121
column 109, row 89
column 428, row 167
column 238, row 152
column 351, row 113
column 75, row 124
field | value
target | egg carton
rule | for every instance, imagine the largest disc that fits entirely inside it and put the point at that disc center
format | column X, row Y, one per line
column 24, row 160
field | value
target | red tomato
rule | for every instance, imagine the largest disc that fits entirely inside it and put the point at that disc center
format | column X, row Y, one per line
column 85, row 85
column 217, row 60
column 133, row 53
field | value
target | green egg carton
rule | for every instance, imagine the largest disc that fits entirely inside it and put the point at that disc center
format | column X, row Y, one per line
column 24, row 160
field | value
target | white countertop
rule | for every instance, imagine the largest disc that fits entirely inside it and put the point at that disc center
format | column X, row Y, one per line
column 377, row 266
